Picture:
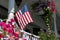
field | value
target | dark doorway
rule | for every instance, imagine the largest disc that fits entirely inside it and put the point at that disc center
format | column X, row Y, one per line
column 36, row 30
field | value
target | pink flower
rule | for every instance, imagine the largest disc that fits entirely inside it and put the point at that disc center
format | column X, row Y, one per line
column 0, row 23
column 8, row 25
column 3, row 24
column 5, row 29
column 1, row 35
column 12, row 20
column 20, row 38
column 16, row 35
column 10, row 31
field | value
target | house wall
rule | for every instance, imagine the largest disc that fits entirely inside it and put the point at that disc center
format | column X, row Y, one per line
column 4, row 3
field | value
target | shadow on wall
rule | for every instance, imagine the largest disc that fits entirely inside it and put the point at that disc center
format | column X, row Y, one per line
column 3, row 12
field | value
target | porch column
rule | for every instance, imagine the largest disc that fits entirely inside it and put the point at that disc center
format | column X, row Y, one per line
column 11, row 9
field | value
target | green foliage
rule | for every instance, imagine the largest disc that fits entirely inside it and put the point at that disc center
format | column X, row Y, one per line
column 44, row 36
column 4, row 33
column 47, row 18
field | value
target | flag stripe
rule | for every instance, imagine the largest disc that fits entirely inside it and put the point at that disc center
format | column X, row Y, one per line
column 21, row 21
column 20, row 18
column 23, row 17
column 18, row 21
column 29, row 17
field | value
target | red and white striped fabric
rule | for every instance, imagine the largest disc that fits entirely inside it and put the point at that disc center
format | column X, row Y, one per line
column 23, row 17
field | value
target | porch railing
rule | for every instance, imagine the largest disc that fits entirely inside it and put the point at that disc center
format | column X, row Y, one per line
column 30, row 36
column 26, row 36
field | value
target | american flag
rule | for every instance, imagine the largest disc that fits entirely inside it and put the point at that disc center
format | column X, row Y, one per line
column 23, row 17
